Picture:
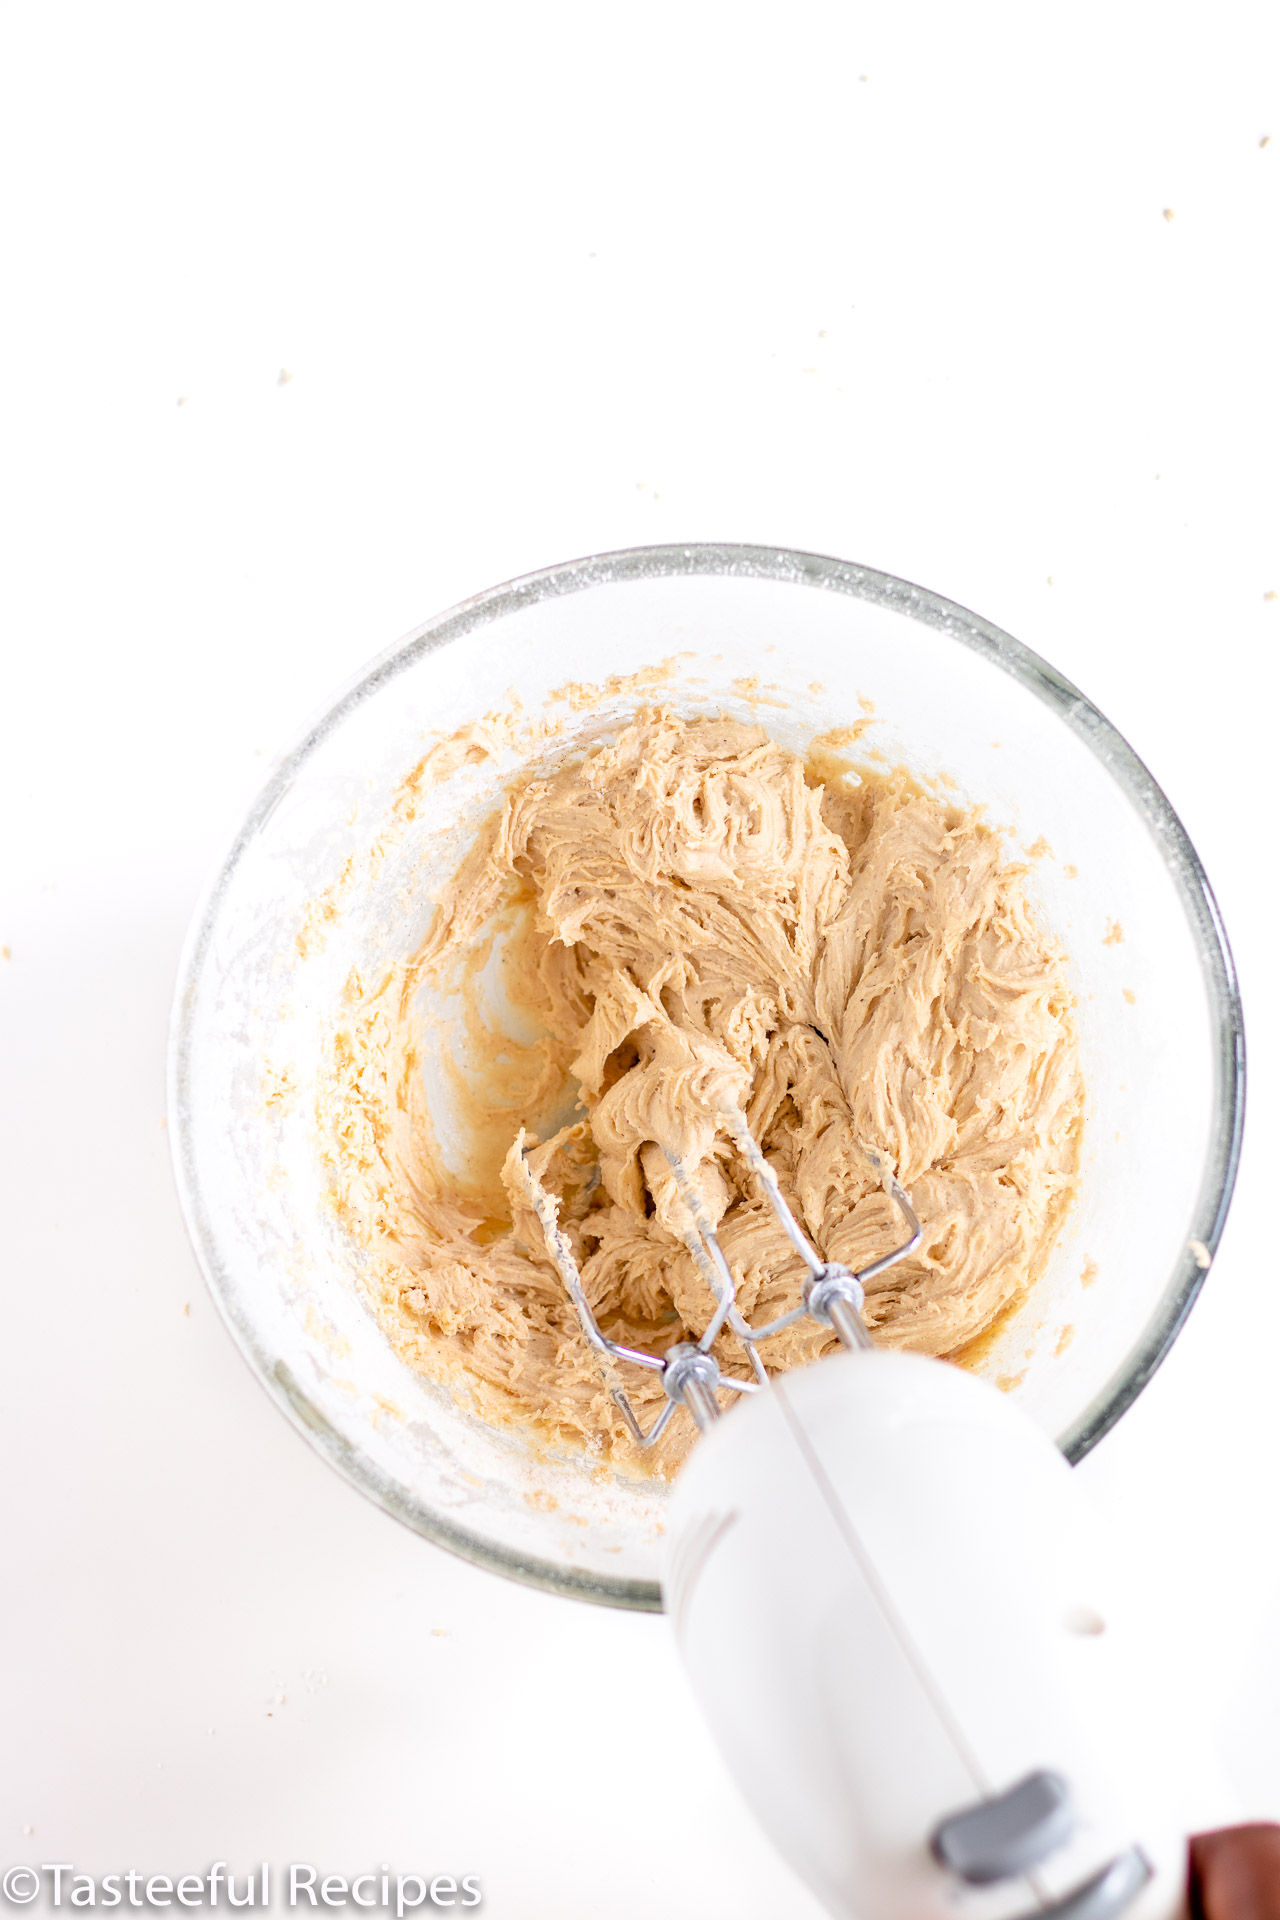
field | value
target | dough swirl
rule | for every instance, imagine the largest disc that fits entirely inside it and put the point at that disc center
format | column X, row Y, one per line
column 693, row 916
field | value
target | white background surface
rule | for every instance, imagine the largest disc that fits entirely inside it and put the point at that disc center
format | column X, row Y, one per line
column 891, row 282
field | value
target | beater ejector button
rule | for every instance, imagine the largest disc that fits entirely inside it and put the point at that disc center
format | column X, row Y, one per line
column 1000, row 1838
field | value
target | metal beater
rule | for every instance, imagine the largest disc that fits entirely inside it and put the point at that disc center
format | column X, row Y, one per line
column 691, row 1375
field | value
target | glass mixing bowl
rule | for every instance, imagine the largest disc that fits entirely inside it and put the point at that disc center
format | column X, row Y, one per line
column 335, row 867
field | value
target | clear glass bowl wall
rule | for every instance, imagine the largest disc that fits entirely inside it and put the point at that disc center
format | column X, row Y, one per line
column 1159, row 1015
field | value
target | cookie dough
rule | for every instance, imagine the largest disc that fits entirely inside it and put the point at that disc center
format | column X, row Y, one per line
column 686, row 916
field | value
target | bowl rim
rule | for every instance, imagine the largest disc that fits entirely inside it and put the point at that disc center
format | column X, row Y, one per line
column 824, row 573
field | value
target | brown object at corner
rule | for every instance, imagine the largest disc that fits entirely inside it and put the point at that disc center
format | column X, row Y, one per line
column 1235, row 1874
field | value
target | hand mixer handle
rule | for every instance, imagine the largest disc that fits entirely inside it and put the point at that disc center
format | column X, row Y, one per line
column 886, row 1587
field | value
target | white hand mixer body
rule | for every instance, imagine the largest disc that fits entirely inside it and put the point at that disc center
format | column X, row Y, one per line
column 884, row 1586
column 888, row 1593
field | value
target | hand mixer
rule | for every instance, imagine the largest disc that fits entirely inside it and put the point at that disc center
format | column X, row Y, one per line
column 885, row 1586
